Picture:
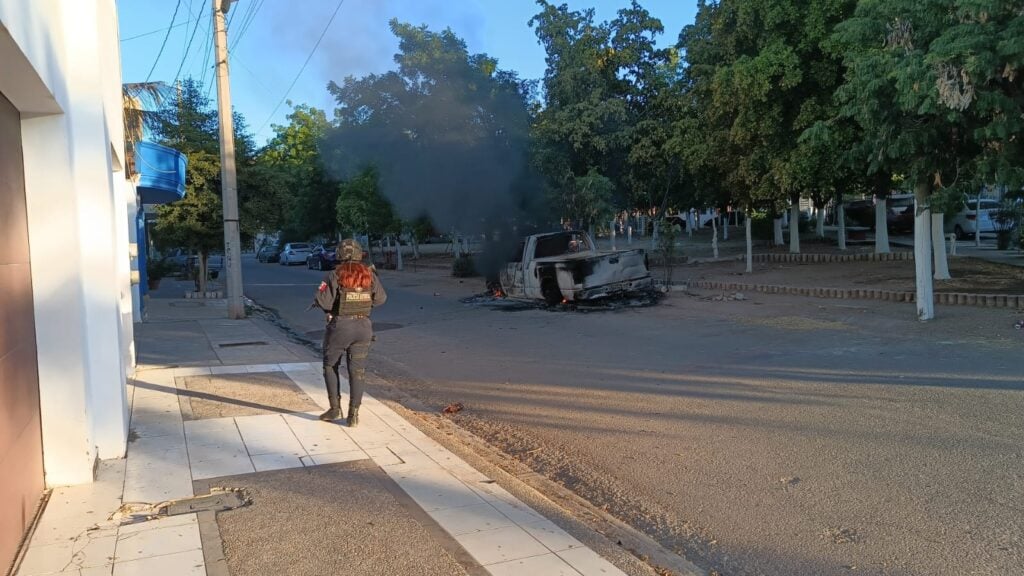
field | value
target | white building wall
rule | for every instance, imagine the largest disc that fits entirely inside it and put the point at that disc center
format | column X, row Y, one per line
column 61, row 70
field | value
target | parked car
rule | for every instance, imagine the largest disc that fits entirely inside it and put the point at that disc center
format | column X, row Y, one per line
column 295, row 253
column 861, row 213
column 177, row 260
column 900, row 217
column 268, row 254
column 323, row 257
column 970, row 220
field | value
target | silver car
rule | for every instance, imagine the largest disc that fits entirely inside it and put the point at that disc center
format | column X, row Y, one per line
column 295, row 253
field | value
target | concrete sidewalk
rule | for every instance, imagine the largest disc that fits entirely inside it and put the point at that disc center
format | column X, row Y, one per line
column 212, row 408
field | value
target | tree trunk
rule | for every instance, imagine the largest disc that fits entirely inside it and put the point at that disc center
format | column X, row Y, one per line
column 794, row 227
column 778, row 238
column 714, row 237
column 923, row 251
column 415, row 247
column 939, row 247
column 881, row 227
column 977, row 224
column 398, row 254
column 820, row 229
column 654, row 235
column 725, row 227
column 841, row 218
column 690, row 223
column 203, row 272
column 613, row 234
column 750, row 242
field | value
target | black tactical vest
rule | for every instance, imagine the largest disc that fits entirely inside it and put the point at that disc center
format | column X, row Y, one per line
column 354, row 302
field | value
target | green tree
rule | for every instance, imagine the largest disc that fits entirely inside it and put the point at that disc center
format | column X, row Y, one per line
column 362, row 209
column 610, row 95
column 894, row 90
column 447, row 132
column 306, row 193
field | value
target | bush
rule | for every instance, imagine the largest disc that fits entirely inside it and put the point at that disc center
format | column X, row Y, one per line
column 157, row 269
column 464, row 267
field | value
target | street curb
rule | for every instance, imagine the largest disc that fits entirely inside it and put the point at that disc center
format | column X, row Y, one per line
column 944, row 298
column 507, row 469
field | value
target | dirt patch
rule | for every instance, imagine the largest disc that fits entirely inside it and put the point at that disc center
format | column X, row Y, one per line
column 335, row 519
column 230, row 395
column 970, row 275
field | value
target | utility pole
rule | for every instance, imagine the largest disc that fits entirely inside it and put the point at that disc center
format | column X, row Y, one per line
column 229, row 183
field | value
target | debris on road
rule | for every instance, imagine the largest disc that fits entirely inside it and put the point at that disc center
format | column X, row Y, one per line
column 453, row 408
column 841, row 535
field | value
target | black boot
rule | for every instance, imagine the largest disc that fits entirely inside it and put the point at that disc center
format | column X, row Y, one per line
column 353, row 416
column 334, row 412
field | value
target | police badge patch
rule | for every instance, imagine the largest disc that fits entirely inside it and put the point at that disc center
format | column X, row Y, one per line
column 323, row 287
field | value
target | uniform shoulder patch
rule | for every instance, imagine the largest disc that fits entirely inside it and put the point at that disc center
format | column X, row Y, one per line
column 323, row 287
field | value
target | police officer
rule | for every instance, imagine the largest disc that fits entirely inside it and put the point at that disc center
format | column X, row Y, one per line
column 346, row 295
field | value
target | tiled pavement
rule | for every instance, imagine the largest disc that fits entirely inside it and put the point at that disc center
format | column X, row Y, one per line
column 76, row 536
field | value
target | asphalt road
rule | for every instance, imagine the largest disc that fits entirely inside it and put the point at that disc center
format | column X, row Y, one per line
column 772, row 435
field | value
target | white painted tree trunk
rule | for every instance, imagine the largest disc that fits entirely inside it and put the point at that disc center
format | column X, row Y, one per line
column 820, row 230
column 939, row 248
column 779, row 239
column 654, row 236
column 794, row 228
column 714, row 238
column 415, row 248
column 690, row 223
column 750, row 243
column 977, row 224
column 923, row 254
column 613, row 234
column 629, row 235
column 398, row 254
column 841, row 217
column 881, row 227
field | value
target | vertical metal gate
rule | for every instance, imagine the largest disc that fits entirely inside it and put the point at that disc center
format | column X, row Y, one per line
column 21, row 451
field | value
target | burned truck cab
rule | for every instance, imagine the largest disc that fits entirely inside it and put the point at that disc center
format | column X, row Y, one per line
column 567, row 267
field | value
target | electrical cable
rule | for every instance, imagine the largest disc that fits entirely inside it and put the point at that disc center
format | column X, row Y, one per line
column 166, row 36
column 151, row 32
column 303, row 68
column 246, row 23
column 188, row 48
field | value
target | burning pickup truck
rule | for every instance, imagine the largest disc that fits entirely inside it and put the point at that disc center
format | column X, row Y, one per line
column 566, row 267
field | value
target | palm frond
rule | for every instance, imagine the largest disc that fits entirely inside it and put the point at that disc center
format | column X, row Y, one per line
column 140, row 101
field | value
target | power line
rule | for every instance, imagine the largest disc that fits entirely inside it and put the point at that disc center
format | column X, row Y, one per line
column 304, row 64
column 188, row 48
column 166, row 36
column 246, row 23
column 157, row 31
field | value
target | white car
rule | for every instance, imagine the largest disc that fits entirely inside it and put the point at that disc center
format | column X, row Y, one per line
column 970, row 220
column 295, row 253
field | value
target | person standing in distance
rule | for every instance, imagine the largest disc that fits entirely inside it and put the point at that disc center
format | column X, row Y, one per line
column 347, row 295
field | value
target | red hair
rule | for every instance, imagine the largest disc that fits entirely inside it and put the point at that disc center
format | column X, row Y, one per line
column 354, row 275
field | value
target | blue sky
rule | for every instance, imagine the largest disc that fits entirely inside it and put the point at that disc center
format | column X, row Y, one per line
column 270, row 39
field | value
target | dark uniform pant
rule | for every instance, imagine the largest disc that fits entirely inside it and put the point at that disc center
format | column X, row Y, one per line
column 350, row 338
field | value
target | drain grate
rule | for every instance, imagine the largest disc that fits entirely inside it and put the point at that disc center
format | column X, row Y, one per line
column 237, row 344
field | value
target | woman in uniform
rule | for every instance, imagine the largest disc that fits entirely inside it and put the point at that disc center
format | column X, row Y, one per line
column 347, row 295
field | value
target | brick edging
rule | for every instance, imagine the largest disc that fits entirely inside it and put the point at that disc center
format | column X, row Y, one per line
column 828, row 258
column 946, row 298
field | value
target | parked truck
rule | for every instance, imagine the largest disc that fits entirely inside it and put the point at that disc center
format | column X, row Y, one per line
column 567, row 267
